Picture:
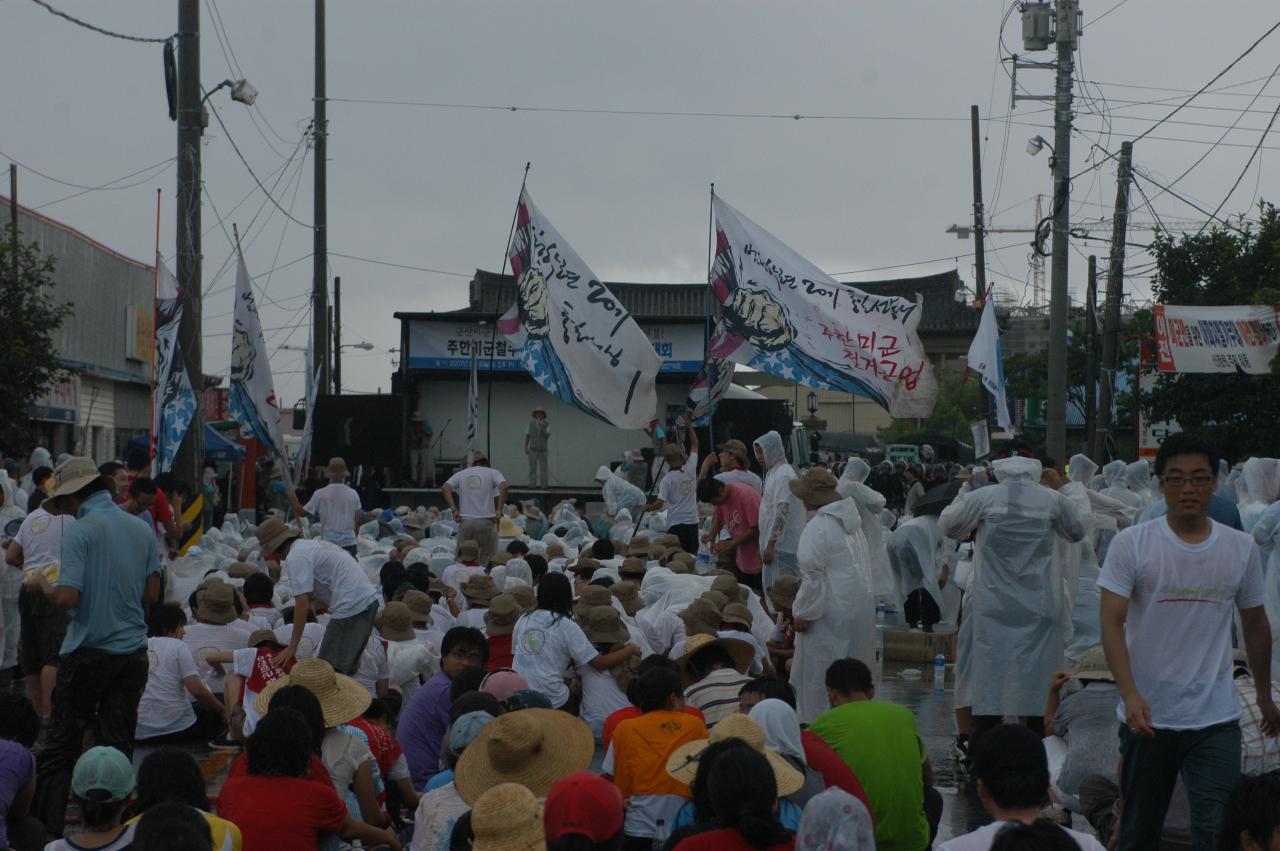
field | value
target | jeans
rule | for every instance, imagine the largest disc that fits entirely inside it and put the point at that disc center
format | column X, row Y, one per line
column 345, row 639
column 97, row 692
column 1209, row 761
column 537, row 468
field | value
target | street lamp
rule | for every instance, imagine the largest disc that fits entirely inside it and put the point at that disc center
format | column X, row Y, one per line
column 811, row 401
column 242, row 91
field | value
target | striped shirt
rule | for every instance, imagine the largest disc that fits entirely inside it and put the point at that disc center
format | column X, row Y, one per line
column 716, row 694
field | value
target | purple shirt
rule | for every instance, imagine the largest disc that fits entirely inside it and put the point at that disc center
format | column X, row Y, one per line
column 423, row 723
column 17, row 767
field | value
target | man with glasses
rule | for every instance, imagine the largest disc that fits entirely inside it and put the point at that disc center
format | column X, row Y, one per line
column 425, row 719
column 1168, row 592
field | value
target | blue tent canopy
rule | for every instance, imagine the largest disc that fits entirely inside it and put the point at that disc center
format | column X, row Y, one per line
column 216, row 447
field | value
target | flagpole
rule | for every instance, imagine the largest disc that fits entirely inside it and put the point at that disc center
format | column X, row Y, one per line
column 706, row 333
column 493, row 334
column 155, row 296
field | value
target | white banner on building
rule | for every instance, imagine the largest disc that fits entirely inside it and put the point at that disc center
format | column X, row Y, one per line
column 785, row 316
column 574, row 336
column 1231, row 339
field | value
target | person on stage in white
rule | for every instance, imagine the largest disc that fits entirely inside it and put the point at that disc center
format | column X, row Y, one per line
column 475, row 495
column 1169, row 588
column 322, row 573
column 336, row 505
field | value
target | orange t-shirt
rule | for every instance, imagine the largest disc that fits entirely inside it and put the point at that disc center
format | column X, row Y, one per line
column 641, row 747
column 611, row 723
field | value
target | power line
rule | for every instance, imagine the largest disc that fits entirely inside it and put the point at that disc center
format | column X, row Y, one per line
column 152, row 174
column 1252, row 156
column 400, row 265
column 100, row 30
column 1095, row 20
column 955, row 257
column 249, row 168
column 62, row 182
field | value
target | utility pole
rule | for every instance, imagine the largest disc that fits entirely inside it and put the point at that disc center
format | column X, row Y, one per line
column 190, row 458
column 337, row 336
column 13, row 218
column 1091, row 350
column 1059, row 292
column 979, row 239
column 320, row 235
column 1115, row 288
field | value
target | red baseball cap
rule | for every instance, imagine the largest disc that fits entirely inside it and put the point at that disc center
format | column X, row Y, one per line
column 585, row 804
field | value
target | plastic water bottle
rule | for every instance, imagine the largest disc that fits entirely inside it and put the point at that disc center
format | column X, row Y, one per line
column 880, row 610
column 939, row 674
column 660, row 835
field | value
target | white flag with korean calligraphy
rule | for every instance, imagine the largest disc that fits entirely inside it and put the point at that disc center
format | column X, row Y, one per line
column 252, row 398
column 783, row 315
column 574, row 336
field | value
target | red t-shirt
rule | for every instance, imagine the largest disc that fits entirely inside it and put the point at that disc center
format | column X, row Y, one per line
column 611, row 723
column 835, row 771
column 316, row 772
column 726, row 839
column 739, row 512
column 384, row 747
column 500, row 654
column 280, row 812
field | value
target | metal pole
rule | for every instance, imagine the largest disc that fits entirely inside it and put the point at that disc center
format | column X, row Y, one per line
column 187, row 464
column 979, row 240
column 320, row 234
column 1059, row 292
column 1115, row 288
column 1091, row 352
column 337, row 336
column 13, row 218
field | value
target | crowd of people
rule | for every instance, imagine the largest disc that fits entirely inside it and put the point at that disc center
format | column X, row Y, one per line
column 695, row 667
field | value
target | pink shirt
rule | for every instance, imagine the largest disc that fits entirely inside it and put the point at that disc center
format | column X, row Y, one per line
column 739, row 512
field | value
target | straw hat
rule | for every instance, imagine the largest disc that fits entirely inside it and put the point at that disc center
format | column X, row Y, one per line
column 555, row 549
column 419, row 605
column 272, row 533
column 817, row 487
column 737, row 449
column 783, row 591
column 683, row 762
column 532, row 747
column 72, row 475
column 216, row 603
column 1092, row 665
column 396, row 623
column 341, row 698
column 501, row 617
column 669, row 540
column 524, row 596
column 736, row 613
column 603, row 625
column 628, row 594
column 507, row 528
column 507, row 818
column 337, row 469
column 740, row 651
column 632, row 567
column 479, row 590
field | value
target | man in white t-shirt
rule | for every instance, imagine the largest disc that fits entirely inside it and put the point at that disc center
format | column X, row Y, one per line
column 475, row 496
column 1169, row 588
column 678, row 490
column 322, row 574
column 336, row 505
column 38, row 546
column 1013, row 784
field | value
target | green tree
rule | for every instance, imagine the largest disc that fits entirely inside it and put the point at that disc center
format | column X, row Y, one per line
column 30, row 317
column 953, row 413
column 1221, row 267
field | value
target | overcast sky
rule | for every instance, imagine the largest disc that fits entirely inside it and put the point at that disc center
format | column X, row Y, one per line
column 435, row 187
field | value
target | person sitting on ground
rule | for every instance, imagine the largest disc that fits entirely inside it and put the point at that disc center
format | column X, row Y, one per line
column 507, row 817
column 744, row 797
column 637, row 754
column 1013, row 784
column 440, row 807
column 276, row 805
column 1252, row 814
column 312, row 632
column 602, row 691
column 165, row 713
column 409, row 659
column 782, row 644
column 19, row 729
column 218, row 628
column 880, row 742
column 499, row 622
column 1080, row 727
column 169, row 775
column 249, row 670
column 425, row 719
column 174, row 826
column 259, row 592
column 836, row 821
column 398, row 793
column 101, row 786
column 648, row 663
column 1040, row 835
column 781, row 727
column 735, row 622
column 714, row 672
column 583, row 812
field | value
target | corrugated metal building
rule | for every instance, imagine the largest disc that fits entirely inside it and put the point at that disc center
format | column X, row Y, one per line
column 107, row 340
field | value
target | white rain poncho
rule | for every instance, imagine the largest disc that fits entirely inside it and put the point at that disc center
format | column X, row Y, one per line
column 870, row 504
column 666, row 594
column 40, row 457
column 623, row 528
column 1019, row 616
column 1266, row 533
column 619, row 494
column 1115, row 475
column 835, row 597
column 1080, row 565
column 1108, row 515
column 917, row 551
column 782, row 515
column 1262, row 481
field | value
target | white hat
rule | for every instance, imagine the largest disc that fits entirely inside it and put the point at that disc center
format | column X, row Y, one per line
column 603, row 474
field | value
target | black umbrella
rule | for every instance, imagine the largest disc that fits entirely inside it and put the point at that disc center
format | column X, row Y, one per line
column 937, row 498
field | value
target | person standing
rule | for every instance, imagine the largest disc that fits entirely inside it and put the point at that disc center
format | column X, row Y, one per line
column 475, row 495
column 1169, row 588
column 109, row 575
column 734, row 467
column 781, row 512
column 422, row 470
column 336, row 505
column 677, row 489
column 737, row 513
column 535, row 446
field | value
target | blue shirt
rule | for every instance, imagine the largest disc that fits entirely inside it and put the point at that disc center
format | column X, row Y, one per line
column 107, row 555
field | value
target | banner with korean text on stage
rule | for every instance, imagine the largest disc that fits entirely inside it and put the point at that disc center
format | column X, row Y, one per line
column 253, row 395
column 1232, row 339
column 785, row 316
column 572, row 334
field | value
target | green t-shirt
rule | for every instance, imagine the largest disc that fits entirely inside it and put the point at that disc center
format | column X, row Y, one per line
column 880, row 742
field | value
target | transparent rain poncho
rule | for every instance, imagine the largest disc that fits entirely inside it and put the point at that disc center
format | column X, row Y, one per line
column 871, row 505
